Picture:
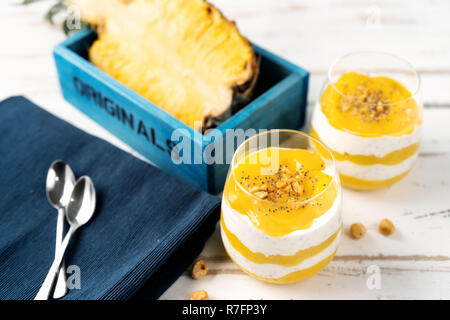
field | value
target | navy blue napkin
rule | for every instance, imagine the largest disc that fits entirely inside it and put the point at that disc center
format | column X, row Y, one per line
column 147, row 229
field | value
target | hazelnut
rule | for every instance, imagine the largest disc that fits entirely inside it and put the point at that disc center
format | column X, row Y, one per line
column 199, row 295
column 199, row 269
column 386, row 227
column 357, row 230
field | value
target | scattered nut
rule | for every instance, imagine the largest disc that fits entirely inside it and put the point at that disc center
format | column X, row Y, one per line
column 199, row 295
column 386, row 227
column 357, row 230
column 199, row 269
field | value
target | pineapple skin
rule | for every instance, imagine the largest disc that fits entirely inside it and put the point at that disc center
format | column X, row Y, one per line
column 182, row 55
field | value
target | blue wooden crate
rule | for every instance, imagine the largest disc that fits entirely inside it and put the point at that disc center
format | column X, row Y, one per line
column 279, row 101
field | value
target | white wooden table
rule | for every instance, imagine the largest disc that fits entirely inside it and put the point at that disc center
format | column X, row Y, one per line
column 415, row 262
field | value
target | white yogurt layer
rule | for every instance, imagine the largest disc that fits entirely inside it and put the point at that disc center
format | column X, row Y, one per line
column 257, row 241
column 344, row 142
column 273, row 271
column 376, row 172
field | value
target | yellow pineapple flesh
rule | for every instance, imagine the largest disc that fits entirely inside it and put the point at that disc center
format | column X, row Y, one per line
column 182, row 55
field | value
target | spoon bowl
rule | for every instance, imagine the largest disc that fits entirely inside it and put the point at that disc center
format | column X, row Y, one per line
column 81, row 206
column 59, row 184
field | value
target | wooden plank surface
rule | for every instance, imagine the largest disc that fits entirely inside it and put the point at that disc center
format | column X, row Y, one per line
column 413, row 263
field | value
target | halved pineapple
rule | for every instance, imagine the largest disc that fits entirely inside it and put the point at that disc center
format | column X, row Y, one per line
column 182, row 55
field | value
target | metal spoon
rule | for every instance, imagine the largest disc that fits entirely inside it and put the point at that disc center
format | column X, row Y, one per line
column 59, row 186
column 79, row 211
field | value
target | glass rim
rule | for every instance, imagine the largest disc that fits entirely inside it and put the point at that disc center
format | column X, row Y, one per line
column 414, row 71
column 294, row 203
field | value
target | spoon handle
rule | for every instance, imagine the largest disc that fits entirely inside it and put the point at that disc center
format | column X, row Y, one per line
column 47, row 285
column 60, row 288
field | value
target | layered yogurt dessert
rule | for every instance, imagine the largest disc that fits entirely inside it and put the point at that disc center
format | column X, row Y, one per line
column 372, row 125
column 281, row 223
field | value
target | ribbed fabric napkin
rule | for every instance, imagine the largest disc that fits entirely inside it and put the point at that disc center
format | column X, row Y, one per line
column 147, row 229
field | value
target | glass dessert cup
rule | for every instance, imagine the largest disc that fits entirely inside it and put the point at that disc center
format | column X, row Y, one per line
column 369, row 114
column 281, row 206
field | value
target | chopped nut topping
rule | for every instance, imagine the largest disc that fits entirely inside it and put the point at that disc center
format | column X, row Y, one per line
column 281, row 184
column 380, row 106
column 285, row 169
column 286, row 189
column 291, row 180
column 386, row 227
column 357, row 230
column 258, row 188
column 199, row 269
column 298, row 188
column 285, row 183
column 199, row 295
column 366, row 103
column 261, row 194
